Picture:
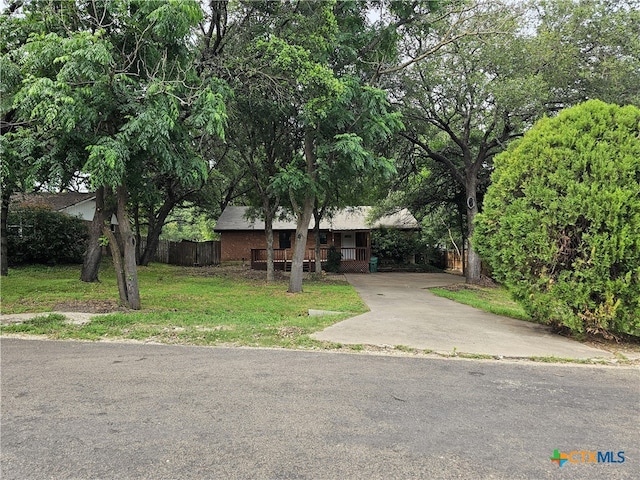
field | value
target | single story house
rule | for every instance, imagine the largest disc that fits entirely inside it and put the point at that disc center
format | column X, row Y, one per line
column 243, row 238
column 75, row 204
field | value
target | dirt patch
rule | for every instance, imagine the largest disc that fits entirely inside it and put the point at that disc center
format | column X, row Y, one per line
column 290, row 332
column 232, row 271
column 626, row 345
column 89, row 306
column 217, row 328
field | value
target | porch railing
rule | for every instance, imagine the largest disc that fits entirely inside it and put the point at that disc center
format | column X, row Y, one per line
column 286, row 254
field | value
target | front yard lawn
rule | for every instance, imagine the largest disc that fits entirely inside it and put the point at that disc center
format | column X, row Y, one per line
column 206, row 306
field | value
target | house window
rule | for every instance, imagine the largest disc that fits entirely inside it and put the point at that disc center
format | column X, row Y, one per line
column 323, row 238
column 284, row 239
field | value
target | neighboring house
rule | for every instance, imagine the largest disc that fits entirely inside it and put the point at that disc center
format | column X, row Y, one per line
column 76, row 204
column 243, row 239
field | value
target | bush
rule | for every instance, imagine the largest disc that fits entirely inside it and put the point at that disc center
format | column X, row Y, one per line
column 333, row 259
column 393, row 244
column 561, row 221
column 40, row 235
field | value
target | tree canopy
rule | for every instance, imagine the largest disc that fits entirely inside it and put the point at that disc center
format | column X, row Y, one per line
column 306, row 106
column 112, row 88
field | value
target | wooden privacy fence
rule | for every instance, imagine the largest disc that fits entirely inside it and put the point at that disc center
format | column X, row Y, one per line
column 454, row 263
column 187, row 254
column 454, row 260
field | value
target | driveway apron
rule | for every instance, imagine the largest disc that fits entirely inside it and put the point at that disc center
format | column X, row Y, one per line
column 404, row 312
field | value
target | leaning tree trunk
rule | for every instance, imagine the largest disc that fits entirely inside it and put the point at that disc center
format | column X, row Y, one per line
column 304, row 217
column 124, row 257
column 93, row 255
column 136, row 230
column 473, row 268
column 4, row 244
column 116, row 256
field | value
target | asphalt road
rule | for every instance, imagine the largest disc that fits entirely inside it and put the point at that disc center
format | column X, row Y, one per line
column 107, row 410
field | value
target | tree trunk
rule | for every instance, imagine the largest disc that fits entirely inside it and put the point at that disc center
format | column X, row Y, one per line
column 268, row 231
column 116, row 256
column 304, row 217
column 4, row 243
column 317, row 216
column 136, row 229
column 93, row 255
column 129, row 251
column 474, row 264
column 155, row 230
column 300, row 247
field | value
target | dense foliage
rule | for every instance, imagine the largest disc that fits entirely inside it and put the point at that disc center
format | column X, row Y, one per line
column 334, row 257
column 391, row 244
column 111, row 89
column 40, row 235
column 561, row 225
column 308, row 106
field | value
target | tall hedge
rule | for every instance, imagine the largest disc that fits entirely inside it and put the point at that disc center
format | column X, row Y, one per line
column 40, row 235
column 561, row 220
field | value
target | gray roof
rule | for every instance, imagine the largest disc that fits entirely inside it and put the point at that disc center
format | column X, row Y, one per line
column 54, row 201
column 351, row 218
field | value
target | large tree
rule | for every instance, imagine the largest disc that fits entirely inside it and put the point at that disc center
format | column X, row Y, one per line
column 302, row 110
column 118, row 83
column 587, row 49
column 26, row 158
column 460, row 107
column 465, row 102
column 339, row 117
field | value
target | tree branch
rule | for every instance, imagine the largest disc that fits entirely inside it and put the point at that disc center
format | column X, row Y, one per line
column 437, row 157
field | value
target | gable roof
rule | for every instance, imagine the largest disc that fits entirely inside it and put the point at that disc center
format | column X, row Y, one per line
column 351, row 218
column 55, row 201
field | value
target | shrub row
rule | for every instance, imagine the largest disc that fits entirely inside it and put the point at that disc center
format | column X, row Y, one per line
column 40, row 235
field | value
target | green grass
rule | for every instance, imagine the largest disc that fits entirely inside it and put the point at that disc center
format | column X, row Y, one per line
column 584, row 361
column 179, row 305
column 490, row 299
column 46, row 324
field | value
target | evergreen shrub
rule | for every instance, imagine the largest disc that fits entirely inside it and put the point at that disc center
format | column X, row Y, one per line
column 561, row 220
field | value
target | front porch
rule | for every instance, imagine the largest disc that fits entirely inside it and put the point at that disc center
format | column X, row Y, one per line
column 354, row 259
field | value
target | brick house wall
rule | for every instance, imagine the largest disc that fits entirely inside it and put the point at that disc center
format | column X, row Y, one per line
column 237, row 245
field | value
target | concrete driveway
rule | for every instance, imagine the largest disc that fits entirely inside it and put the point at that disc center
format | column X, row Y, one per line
column 404, row 312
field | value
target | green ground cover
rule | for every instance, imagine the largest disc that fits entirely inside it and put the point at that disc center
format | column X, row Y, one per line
column 496, row 299
column 490, row 299
column 206, row 306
